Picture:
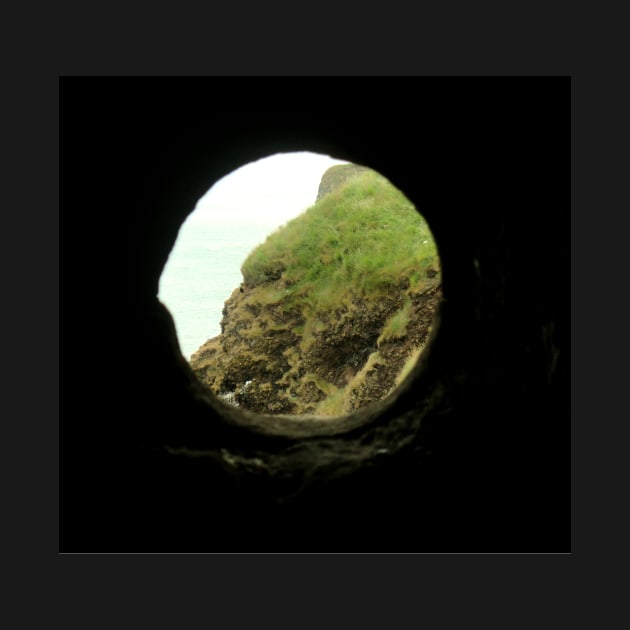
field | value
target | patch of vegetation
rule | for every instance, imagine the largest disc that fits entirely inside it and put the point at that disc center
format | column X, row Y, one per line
column 396, row 326
column 333, row 404
column 361, row 239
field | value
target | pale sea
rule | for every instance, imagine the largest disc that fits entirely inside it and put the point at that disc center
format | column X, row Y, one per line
column 236, row 215
column 202, row 271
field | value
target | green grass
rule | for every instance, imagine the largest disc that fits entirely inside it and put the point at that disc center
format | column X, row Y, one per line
column 396, row 326
column 360, row 239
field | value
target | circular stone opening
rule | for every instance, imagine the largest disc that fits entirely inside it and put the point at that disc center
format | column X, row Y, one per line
column 303, row 287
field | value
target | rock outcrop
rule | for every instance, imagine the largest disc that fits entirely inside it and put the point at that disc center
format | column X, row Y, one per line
column 275, row 357
column 260, row 363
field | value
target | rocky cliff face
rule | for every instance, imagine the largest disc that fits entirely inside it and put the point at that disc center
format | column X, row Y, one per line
column 258, row 362
column 278, row 359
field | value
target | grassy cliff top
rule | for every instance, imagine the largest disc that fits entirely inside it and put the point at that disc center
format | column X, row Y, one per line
column 336, row 175
column 362, row 239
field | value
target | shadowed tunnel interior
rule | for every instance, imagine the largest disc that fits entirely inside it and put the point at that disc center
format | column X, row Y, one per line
column 473, row 455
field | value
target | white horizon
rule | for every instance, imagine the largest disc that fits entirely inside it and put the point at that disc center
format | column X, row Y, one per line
column 269, row 191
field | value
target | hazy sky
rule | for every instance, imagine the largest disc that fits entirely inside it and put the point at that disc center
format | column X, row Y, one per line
column 270, row 191
column 242, row 209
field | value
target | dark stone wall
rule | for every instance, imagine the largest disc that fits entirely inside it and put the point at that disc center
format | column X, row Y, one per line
column 474, row 455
